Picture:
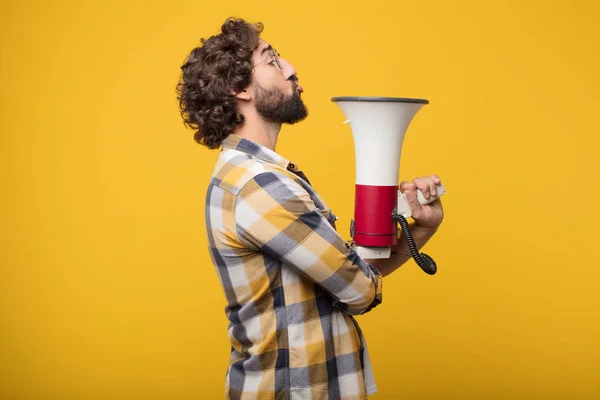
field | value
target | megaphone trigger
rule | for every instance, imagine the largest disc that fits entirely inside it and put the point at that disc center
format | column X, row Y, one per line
column 403, row 208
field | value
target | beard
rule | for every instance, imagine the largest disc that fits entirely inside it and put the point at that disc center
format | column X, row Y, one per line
column 273, row 105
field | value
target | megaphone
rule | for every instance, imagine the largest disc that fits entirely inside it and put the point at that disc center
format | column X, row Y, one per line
column 378, row 127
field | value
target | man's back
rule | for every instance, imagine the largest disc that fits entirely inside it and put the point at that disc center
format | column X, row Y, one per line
column 291, row 282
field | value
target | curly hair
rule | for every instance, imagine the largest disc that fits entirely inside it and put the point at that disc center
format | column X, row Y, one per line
column 221, row 64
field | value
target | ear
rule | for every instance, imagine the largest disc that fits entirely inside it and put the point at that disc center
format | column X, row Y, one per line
column 244, row 94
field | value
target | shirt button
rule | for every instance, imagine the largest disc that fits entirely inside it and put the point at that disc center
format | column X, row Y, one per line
column 292, row 166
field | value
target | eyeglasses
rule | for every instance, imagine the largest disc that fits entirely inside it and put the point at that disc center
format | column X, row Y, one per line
column 274, row 57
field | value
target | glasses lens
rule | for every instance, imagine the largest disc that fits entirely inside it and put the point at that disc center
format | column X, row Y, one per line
column 277, row 60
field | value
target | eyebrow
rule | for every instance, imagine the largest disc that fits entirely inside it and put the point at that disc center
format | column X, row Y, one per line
column 263, row 51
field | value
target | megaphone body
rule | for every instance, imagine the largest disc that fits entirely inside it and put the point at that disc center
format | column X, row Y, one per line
column 378, row 127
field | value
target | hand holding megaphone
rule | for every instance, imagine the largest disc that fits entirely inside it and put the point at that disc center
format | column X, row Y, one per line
column 422, row 191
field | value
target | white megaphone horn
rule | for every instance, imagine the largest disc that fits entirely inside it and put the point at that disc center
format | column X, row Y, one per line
column 378, row 126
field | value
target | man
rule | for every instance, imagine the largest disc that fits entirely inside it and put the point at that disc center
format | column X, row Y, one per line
column 292, row 284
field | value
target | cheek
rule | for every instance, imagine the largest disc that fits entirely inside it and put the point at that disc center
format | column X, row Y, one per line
column 263, row 76
column 273, row 79
column 287, row 85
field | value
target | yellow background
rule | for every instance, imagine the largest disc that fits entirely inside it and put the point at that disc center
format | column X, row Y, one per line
column 106, row 286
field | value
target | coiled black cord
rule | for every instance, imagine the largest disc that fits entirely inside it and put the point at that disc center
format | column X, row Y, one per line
column 423, row 260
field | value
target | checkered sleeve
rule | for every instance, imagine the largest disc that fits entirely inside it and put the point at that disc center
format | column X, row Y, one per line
column 277, row 216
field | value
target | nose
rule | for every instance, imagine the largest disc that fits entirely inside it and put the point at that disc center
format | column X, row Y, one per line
column 287, row 68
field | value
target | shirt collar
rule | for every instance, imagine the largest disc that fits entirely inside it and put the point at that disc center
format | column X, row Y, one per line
column 239, row 143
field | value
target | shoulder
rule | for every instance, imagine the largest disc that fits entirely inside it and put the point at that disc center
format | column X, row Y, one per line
column 235, row 169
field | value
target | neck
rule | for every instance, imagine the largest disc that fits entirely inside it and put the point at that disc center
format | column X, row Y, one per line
column 258, row 130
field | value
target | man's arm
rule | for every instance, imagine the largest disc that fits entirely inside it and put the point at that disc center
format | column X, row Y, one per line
column 388, row 265
column 275, row 215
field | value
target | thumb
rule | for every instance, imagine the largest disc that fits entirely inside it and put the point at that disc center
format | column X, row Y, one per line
column 404, row 185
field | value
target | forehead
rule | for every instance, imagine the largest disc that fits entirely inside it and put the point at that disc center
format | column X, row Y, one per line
column 262, row 43
column 261, row 49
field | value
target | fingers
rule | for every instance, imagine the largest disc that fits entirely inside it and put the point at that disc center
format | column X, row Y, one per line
column 426, row 184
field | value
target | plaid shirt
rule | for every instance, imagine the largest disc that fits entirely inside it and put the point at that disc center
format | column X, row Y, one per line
column 292, row 284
